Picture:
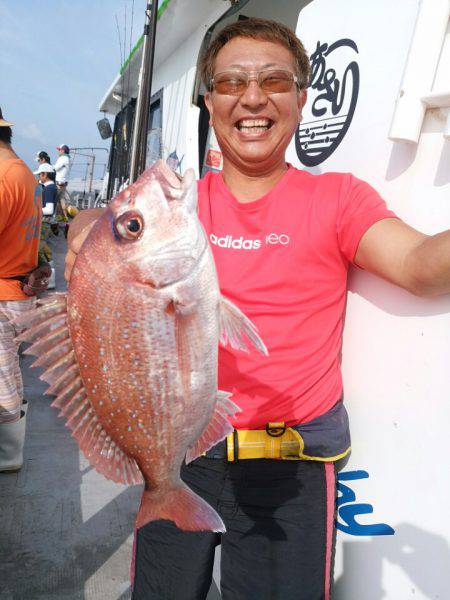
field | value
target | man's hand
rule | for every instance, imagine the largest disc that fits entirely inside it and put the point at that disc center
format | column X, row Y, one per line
column 78, row 232
column 37, row 280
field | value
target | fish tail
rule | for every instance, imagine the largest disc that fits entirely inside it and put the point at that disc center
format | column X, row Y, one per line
column 181, row 505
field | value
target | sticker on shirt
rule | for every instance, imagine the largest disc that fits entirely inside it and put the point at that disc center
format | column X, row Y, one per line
column 333, row 94
column 241, row 243
column 214, row 159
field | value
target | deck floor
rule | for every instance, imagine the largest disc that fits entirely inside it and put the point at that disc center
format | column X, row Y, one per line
column 65, row 530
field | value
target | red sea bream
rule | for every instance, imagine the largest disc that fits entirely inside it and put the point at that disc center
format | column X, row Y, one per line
column 131, row 351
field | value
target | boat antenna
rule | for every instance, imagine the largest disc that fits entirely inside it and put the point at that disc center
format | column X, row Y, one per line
column 124, row 46
column 131, row 40
column 140, row 130
column 120, row 40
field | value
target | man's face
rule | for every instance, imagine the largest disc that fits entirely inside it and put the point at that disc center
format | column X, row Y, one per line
column 249, row 148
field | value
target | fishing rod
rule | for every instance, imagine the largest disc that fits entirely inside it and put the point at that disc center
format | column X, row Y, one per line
column 139, row 142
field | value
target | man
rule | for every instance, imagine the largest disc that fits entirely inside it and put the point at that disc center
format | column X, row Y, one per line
column 279, row 514
column 62, row 166
column 20, row 220
column 45, row 175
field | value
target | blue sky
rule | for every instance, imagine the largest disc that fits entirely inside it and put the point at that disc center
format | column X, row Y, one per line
column 57, row 59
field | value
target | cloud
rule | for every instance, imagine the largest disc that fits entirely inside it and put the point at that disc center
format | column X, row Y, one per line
column 32, row 132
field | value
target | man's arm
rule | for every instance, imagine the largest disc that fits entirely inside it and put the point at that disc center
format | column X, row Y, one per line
column 58, row 164
column 399, row 253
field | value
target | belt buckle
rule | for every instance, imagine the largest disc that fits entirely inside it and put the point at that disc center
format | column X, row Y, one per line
column 275, row 429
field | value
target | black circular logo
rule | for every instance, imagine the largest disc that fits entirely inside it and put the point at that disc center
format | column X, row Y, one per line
column 333, row 102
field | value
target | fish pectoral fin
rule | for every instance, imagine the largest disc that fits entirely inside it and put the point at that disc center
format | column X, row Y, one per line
column 235, row 327
column 217, row 429
column 185, row 308
column 189, row 339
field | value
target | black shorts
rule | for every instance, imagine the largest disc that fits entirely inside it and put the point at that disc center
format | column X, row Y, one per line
column 280, row 539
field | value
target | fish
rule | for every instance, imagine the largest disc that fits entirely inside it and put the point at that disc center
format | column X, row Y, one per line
column 131, row 350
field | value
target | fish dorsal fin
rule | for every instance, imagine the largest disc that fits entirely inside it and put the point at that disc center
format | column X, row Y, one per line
column 235, row 327
column 217, row 429
column 45, row 327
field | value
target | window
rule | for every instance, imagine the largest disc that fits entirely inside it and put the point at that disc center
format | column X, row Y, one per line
column 154, row 136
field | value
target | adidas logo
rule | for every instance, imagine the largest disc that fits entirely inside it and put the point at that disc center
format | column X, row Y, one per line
column 237, row 243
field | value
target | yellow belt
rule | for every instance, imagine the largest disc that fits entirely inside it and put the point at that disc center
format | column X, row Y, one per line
column 276, row 441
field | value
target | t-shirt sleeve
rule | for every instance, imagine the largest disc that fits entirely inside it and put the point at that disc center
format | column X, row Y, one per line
column 360, row 206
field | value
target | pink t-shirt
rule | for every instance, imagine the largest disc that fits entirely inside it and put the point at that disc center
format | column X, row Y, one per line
column 283, row 260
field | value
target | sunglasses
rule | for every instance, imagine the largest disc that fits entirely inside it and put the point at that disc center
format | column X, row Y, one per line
column 271, row 81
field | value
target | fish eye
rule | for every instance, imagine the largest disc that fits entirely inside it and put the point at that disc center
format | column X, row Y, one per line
column 130, row 225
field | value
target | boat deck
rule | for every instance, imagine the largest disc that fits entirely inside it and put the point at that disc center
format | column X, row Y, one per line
column 65, row 530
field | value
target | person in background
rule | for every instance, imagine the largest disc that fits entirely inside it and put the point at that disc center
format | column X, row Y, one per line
column 46, row 176
column 20, row 280
column 62, row 166
column 43, row 157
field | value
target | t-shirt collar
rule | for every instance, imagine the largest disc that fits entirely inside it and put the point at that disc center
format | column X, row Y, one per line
column 259, row 202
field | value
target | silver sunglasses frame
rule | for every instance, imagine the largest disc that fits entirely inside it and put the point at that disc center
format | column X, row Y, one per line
column 253, row 76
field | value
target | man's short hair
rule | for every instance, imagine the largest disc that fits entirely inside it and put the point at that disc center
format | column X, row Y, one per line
column 5, row 134
column 257, row 29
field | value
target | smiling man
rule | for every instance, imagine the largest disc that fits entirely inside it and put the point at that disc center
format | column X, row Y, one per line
column 283, row 240
column 257, row 92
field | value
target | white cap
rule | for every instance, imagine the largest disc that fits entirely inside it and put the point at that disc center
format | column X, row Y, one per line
column 44, row 168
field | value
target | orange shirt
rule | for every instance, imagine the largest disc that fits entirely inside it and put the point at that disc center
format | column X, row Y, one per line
column 20, row 226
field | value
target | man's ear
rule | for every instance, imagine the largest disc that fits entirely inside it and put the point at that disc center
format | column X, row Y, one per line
column 302, row 96
column 208, row 102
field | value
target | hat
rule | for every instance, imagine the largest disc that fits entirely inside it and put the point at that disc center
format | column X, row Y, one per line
column 4, row 123
column 64, row 147
column 44, row 168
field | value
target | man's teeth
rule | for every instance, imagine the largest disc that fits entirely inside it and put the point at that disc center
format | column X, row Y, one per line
column 253, row 125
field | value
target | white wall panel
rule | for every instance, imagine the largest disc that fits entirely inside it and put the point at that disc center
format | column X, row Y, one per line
column 396, row 351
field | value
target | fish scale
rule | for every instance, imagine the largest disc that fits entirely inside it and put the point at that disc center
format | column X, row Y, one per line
column 139, row 330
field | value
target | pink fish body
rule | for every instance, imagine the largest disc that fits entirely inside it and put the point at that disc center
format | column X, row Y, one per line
column 131, row 353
